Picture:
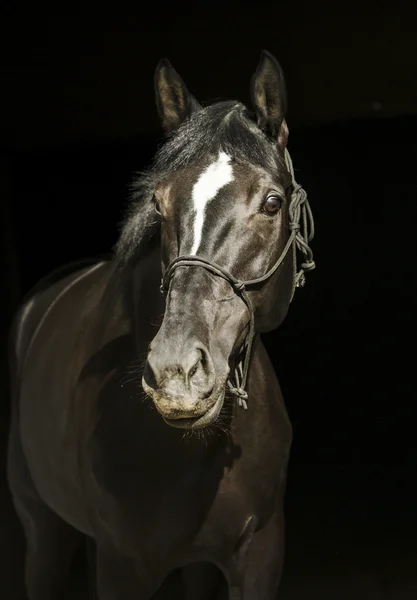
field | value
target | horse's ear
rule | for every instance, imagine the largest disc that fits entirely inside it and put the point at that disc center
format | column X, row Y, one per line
column 269, row 98
column 173, row 100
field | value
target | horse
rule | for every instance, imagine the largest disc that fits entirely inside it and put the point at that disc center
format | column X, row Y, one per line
column 146, row 414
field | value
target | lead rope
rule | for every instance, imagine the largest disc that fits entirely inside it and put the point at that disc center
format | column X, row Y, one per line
column 242, row 369
column 300, row 209
column 301, row 225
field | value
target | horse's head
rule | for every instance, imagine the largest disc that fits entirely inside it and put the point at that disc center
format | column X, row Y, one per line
column 221, row 191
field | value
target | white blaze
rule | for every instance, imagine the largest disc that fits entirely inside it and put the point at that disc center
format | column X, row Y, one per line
column 216, row 176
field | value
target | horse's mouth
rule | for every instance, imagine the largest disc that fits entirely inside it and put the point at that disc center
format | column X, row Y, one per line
column 204, row 420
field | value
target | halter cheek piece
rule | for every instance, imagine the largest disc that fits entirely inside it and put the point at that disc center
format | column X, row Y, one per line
column 301, row 225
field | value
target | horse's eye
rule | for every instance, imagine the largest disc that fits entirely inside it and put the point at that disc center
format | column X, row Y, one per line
column 272, row 204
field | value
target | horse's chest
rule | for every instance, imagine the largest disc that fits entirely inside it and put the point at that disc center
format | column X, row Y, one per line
column 163, row 495
column 189, row 508
column 241, row 497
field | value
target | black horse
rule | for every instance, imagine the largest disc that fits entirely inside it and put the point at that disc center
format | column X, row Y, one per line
column 194, row 469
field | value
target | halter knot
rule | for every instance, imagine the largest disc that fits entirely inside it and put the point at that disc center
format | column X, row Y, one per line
column 310, row 265
column 294, row 227
column 239, row 286
column 241, row 395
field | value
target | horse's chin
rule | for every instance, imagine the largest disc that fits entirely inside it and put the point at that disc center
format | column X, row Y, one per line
column 204, row 420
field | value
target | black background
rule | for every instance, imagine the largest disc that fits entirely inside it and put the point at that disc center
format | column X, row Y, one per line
column 78, row 119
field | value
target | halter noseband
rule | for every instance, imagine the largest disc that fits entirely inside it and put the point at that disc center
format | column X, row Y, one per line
column 301, row 226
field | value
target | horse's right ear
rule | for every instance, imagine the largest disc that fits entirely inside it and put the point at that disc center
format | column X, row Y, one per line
column 173, row 100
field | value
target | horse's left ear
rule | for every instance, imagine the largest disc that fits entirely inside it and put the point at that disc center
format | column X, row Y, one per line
column 173, row 100
column 269, row 98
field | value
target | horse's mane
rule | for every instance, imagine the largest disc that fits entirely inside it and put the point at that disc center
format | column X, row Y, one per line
column 226, row 126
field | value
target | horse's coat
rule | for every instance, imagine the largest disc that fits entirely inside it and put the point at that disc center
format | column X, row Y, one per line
column 198, row 479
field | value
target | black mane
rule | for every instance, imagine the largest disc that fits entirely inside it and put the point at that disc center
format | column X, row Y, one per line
column 226, row 126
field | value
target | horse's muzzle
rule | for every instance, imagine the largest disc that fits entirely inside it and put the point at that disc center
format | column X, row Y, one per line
column 184, row 412
column 183, row 391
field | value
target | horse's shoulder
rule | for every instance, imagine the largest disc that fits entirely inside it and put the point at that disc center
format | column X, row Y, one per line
column 41, row 298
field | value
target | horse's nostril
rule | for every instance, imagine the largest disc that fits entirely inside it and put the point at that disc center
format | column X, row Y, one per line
column 191, row 364
column 201, row 373
column 200, row 363
column 193, row 369
column 204, row 359
column 149, row 376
